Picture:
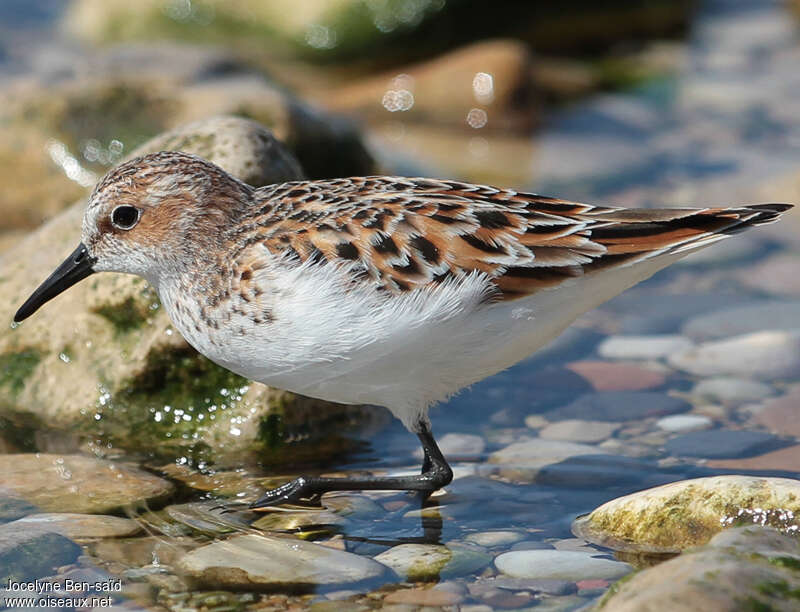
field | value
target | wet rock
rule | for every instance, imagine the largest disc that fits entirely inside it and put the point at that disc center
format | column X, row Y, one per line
column 256, row 561
column 74, row 483
column 80, row 526
column 679, row 515
column 746, row 568
column 559, row 565
column 731, row 390
column 576, row 430
column 680, row 423
column 642, row 347
column 605, row 376
column 722, row 443
column 353, row 506
column 617, row 406
column 210, row 518
column 487, row 84
column 31, row 553
column 727, row 322
column 110, row 354
column 765, row 355
column 781, row 415
column 138, row 552
column 430, row 562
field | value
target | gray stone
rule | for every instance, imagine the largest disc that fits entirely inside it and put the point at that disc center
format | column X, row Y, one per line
column 27, row 554
column 672, row 517
column 642, row 347
column 539, row 452
column 753, row 568
column 12, row 508
column 559, row 565
column 731, row 390
column 680, row 423
column 722, row 443
column 576, row 430
column 426, row 562
column 727, row 322
column 490, row 539
column 256, row 561
column 619, row 406
column 541, row 585
column 459, row 447
column 76, row 483
column 765, row 355
column 80, row 526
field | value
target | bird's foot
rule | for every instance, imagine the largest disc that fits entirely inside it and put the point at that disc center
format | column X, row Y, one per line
column 295, row 491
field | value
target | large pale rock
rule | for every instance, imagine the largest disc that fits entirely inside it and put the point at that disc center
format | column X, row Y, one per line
column 261, row 562
column 104, row 358
column 78, row 484
column 748, row 568
column 679, row 515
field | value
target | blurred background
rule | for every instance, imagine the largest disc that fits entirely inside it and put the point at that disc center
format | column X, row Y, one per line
column 635, row 103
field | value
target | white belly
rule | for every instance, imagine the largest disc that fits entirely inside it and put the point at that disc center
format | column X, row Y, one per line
column 404, row 352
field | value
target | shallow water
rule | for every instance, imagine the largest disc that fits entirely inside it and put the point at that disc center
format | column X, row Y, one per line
column 722, row 129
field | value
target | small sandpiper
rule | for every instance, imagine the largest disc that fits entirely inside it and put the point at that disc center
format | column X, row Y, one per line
column 378, row 290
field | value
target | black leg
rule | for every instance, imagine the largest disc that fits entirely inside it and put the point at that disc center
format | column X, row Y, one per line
column 435, row 474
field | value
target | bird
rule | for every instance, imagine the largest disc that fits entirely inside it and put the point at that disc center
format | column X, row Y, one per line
column 376, row 290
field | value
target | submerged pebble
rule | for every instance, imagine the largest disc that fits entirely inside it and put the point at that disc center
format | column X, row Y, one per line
column 80, row 526
column 559, row 564
column 430, row 562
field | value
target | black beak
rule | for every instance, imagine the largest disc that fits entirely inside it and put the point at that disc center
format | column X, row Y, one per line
column 76, row 267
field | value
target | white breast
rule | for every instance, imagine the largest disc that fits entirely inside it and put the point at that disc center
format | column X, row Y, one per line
column 340, row 342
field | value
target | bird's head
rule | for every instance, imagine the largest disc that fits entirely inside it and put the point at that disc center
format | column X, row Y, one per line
column 150, row 216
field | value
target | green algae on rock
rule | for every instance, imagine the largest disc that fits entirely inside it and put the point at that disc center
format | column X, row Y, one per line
column 746, row 568
column 679, row 515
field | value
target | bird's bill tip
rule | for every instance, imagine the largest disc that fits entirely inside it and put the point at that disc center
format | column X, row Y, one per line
column 74, row 268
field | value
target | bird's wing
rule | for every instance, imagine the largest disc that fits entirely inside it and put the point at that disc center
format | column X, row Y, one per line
column 404, row 233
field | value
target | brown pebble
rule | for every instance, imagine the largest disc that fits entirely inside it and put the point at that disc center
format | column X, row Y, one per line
column 424, row 597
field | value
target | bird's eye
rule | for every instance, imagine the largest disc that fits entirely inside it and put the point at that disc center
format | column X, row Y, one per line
column 125, row 217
